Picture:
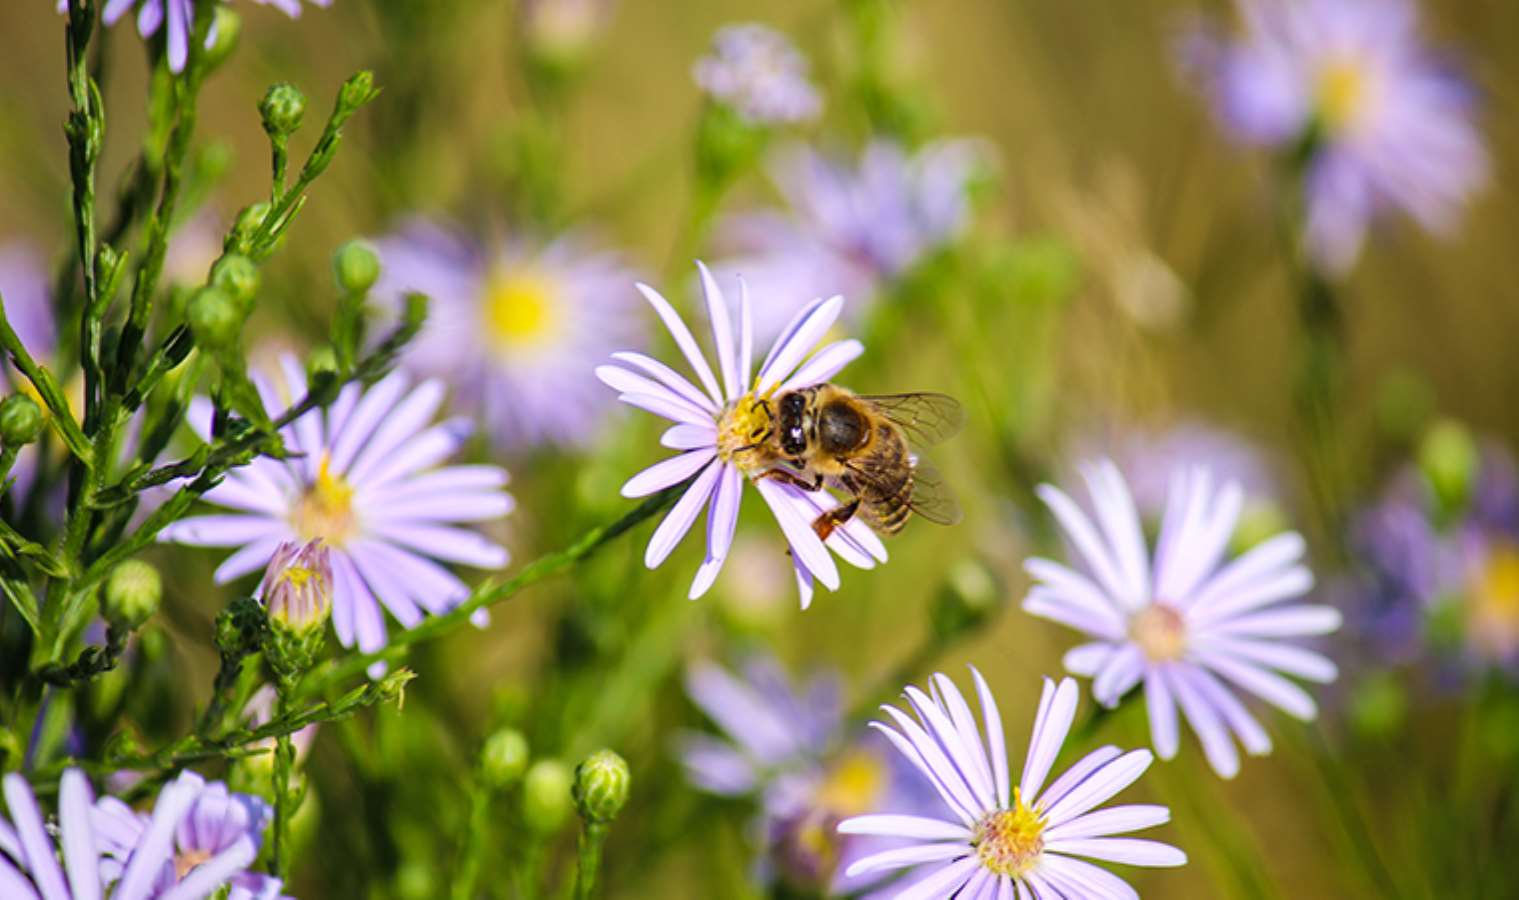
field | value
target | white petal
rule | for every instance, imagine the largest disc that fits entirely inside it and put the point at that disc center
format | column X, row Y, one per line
column 996, row 740
column 1113, row 820
column 1165, row 735
column 624, row 382
column 794, row 348
column 1052, row 723
column 1100, row 785
column 1218, row 744
column 805, row 544
column 901, row 857
column 1120, row 524
column 722, row 331
column 1083, row 535
column 685, row 436
column 683, row 340
column 824, row 364
column 1128, row 851
column 669, row 378
column 680, row 517
column 918, row 827
column 667, row 472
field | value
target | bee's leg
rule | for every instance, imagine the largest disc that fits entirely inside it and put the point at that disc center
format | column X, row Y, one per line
column 825, row 524
column 786, row 476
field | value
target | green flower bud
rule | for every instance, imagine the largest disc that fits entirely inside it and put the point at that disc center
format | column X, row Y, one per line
column 546, row 800
column 356, row 267
column 969, row 597
column 358, row 90
column 237, row 277
column 132, row 593
column 216, row 319
column 503, row 759
column 248, row 221
column 282, row 109
column 240, row 628
column 21, row 420
column 228, row 27
column 602, row 782
column 1449, row 458
column 322, row 360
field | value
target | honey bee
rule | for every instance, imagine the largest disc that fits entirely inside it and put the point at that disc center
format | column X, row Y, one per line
column 858, row 445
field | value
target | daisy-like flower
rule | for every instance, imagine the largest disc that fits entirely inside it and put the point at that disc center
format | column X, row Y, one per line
column 180, row 17
column 758, row 72
column 516, row 332
column 849, row 228
column 787, row 745
column 199, row 839
column 367, row 483
column 1190, row 627
column 1391, row 121
column 716, row 423
column 1002, row 838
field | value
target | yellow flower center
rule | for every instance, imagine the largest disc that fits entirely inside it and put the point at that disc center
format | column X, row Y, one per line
column 185, row 863
column 1160, row 632
column 325, row 513
column 519, row 308
column 853, row 785
column 742, row 426
column 1493, row 617
column 1344, row 95
column 1010, row 841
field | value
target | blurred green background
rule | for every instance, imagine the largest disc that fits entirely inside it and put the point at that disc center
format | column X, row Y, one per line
column 1105, row 158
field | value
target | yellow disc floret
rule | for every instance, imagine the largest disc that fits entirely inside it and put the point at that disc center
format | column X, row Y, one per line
column 1160, row 632
column 1010, row 841
column 325, row 512
column 519, row 309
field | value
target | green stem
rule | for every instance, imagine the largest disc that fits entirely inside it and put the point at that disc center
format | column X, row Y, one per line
column 284, row 761
column 487, row 594
column 473, row 844
column 592, row 837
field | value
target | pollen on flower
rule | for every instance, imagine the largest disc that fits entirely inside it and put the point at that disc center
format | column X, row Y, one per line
column 1010, row 841
column 1493, row 619
column 519, row 308
column 1160, row 632
column 186, row 862
column 325, row 513
column 1343, row 95
column 744, row 423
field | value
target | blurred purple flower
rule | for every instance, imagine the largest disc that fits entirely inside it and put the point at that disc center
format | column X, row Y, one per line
column 180, row 14
column 787, row 745
column 1190, row 626
column 850, row 229
column 716, row 422
column 365, row 478
column 1149, row 458
column 758, row 72
column 28, row 297
column 1391, row 122
column 516, row 332
column 1423, row 583
column 199, row 838
column 1001, row 840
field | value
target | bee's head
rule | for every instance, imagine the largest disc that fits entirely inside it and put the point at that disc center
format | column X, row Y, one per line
column 792, row 423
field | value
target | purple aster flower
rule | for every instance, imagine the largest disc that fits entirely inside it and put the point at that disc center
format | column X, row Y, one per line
column 788, row 745
column 1392, row 121
column 1190, row 626
column 1447, row 583
column 714, row 423
column 515, row 332
column 1149, row 458
column 759, row 73
column 367, row 482
column 998, row 837
column 199, row 838
column 850, row 228
column 180, row 15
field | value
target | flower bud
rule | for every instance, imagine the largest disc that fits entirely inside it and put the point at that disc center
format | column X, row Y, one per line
column 297, row 596
column 132, row 593
column 21, row 420
column 503, row 759
column 251, row 219
column 602, row 782
column 227, row 27
column 237, row 277
column 356, row 267
column 322, row 361
column 239, row 628
column 358, row 90
column 546, row 800
column 1449, row 458
column 297, row 588
column 282, row 109
column 215, row 319
column 970, row 595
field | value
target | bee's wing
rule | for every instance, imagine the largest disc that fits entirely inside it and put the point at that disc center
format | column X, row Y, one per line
column 931, row 497
column 928, row 418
